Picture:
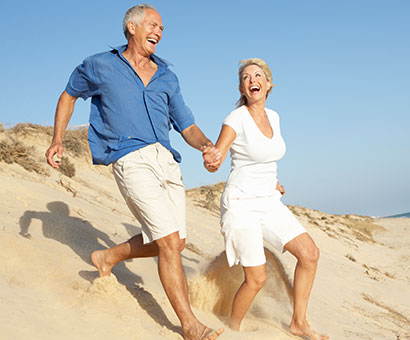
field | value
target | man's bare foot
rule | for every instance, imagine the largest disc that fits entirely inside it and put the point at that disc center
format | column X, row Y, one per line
column 99, row 260
column 307, row 332
column 211, row 334
column 202, row 333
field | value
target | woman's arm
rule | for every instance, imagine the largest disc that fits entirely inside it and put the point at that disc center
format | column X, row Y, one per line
column 223, row 144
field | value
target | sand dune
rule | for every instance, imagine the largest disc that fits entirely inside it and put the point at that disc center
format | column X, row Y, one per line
column 51, row 222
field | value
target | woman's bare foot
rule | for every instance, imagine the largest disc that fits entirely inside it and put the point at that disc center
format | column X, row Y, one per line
column 99, row 260
column 234, row 326
column 307, row 332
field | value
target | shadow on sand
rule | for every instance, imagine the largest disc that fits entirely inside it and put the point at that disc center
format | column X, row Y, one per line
column 83, row 239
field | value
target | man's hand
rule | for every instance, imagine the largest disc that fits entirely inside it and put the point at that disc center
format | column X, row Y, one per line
column 54, row 154
column 65, row 108
column 212, row 157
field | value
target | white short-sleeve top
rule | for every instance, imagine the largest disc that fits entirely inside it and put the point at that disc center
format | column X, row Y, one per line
column 253, row 155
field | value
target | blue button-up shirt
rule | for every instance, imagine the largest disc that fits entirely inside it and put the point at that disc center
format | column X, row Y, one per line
column 125, row 114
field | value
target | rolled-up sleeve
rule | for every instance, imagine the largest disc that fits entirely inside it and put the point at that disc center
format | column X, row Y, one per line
column 82, row 82
column 180, row 115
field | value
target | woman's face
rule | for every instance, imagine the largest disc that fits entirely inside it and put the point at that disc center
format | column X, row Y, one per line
column 254, row 85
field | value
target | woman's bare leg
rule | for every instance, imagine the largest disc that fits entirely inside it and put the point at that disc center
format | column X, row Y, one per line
column 307, row 254
column 255, row 278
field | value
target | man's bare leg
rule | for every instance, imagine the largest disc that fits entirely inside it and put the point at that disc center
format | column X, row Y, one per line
column 307, row 254
column 255, row 278
column 168, row 250
column 105, row 259
column 174, row 282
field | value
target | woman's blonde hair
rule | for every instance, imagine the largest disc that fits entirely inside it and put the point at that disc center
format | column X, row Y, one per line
column 266, row 70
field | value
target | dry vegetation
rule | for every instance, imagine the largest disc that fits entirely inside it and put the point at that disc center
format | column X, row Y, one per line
column 30, row 129
column 76, row 142
column 344, row 227
column 15, row 152
column 207, row 196
column 21, row 145
column 67, row 168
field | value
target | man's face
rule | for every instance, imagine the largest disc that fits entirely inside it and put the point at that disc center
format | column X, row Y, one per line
column 149, row 33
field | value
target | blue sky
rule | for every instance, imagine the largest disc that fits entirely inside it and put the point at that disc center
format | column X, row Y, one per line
column 341, row 69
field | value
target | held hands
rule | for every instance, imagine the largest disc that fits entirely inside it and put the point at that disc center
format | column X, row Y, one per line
column 54, row 154
column 212, row 157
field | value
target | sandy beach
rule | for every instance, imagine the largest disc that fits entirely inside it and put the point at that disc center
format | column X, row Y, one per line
column 49, row 289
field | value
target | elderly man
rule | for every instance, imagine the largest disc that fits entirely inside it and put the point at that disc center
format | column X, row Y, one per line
column 135, row 100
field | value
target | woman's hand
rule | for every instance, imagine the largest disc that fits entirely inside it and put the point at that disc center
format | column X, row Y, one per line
column 280, row 188
column 212, row 158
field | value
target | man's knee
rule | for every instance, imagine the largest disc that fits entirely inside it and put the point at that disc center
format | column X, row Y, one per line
column 171, row 244
column 181, row 245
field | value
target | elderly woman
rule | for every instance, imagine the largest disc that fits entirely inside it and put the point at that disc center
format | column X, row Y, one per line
column 251, row 210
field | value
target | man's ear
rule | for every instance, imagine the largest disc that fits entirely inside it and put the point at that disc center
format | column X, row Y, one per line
column 131, row 27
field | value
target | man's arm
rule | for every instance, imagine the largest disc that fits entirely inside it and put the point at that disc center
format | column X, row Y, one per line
column 64, row 111
column 25, row 221
column 195, row 138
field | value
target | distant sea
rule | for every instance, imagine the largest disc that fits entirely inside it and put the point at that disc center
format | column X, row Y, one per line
column 399, row 215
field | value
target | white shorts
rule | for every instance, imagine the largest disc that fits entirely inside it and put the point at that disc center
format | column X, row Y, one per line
column 150, row 182
column 248, row 222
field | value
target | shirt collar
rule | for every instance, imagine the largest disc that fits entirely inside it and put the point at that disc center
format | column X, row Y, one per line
column 157, row 60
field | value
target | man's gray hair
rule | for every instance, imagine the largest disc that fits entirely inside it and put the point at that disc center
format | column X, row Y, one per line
column 135, row 14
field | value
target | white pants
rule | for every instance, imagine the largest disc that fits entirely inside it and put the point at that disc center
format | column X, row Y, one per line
column 248, row 222
column 150, row 181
